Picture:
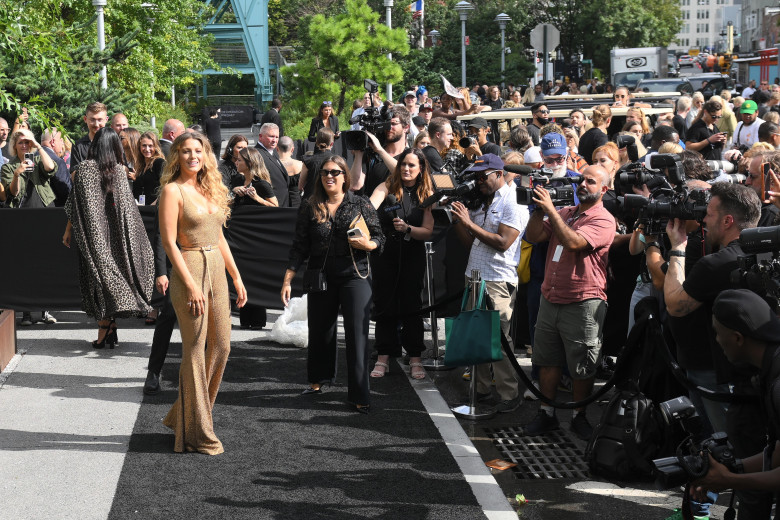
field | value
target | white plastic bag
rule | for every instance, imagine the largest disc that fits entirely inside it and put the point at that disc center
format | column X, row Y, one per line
column 292, row 327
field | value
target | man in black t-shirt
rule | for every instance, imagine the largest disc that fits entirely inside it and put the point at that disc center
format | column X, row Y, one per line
column 731, row 209
column 384, row 159
column 539, row 112
column 704, row 136
column 748, row 332
column 479, row 129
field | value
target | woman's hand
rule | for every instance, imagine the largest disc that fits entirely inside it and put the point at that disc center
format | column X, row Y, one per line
column 400, row 225
column 23, row 165
column 196, row 301
column 362, row 242
column 239, row 191
column 286, row 293
column 774, row 189
column 131, row 174
column 240, row 292
column 66, row 236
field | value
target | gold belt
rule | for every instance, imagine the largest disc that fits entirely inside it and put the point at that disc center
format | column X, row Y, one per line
column 203, row 249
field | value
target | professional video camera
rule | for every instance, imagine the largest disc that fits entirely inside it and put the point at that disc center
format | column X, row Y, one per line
column 759, row 267
column 637, row 174
column 669, row 197
column 373, row 119
column 691, row 461
column 447, row 189
column 560, row 195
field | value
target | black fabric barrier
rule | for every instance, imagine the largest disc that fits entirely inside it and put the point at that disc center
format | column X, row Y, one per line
column 39, row 273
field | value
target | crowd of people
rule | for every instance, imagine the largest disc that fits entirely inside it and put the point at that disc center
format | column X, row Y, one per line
column 574, row 273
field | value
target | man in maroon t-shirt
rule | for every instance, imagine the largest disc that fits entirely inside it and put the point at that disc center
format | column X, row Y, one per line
column 573, row 303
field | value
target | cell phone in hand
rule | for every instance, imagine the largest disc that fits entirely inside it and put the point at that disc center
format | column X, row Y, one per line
column 29, row 157
column 354, row 233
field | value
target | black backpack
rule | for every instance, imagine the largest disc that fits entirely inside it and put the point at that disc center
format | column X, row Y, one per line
column 627, row 439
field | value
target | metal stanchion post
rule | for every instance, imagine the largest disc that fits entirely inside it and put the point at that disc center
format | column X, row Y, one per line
column 436, row 363
column 472, row 410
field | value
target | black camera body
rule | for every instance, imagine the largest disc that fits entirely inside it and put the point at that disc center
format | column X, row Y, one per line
column 669, row 197
column 759, row 267
column 691, row 461
column 561, row 195
column 373, row 119
column 448, row 189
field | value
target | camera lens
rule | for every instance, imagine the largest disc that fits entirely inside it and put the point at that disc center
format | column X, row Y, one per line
column 465, row 142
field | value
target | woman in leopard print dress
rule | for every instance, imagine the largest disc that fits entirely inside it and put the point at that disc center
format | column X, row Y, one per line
column 116, row 265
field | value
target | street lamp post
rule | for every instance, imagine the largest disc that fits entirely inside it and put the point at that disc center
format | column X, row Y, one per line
column 434, row 34
column 388, row 20
column 502, row 19
column 463, row 7
column 99, row 5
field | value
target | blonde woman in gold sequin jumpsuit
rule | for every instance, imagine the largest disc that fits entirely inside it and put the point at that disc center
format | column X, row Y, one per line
column 193, row 209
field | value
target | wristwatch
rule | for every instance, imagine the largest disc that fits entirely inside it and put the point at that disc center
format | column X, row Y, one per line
column 408, row 230
column 652, row 244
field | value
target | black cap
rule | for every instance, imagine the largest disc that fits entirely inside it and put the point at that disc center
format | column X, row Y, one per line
column 478, row 122
column 746, row 312
column 418, row 121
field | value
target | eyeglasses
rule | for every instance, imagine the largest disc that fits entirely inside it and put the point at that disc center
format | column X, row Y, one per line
column 481, row 176
column 554, row 160
column 331, row 173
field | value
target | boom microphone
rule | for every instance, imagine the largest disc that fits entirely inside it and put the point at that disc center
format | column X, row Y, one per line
column 520, row 169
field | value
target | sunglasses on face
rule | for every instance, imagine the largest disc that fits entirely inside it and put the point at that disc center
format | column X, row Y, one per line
column 482, row 176
column 713, row 116
column 554, row 160
column 543, row 112
column 330, row 173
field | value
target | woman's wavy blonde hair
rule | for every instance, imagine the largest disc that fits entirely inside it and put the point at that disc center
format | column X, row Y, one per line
column 209, row 178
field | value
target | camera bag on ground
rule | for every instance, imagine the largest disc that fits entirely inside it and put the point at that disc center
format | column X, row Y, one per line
column 627, row 438
column 630, row 433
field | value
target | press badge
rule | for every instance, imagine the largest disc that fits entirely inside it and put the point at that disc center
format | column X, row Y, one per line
column 557, row 255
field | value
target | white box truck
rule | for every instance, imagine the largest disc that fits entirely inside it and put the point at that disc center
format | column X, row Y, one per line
column 629, row 66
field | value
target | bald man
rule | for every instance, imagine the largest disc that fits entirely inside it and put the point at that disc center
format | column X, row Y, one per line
column 573, row 304
column 119, row 122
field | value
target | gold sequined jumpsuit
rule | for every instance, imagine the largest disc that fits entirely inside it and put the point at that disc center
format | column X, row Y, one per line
column 201, row 369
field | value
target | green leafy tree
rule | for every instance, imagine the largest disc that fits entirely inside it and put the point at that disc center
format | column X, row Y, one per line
column 340, row 52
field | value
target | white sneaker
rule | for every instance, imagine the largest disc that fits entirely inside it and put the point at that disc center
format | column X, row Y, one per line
column 528, row 395
column 47, row 318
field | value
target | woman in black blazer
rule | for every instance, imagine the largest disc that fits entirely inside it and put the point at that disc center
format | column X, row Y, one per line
column 325, row 119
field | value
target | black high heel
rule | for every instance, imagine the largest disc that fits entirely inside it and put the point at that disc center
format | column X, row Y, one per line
column 363, row 408
column 112, row 336
column 312, row 391
column 101, row 344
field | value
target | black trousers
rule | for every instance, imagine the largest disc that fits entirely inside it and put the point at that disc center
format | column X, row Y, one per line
column 397, row 293
column 166, row 321
column 353, row 296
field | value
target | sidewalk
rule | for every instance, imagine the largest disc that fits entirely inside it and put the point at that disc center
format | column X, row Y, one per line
column 79, row 439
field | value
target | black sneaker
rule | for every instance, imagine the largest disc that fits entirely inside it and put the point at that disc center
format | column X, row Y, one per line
column 152, row 384
column 542, row 423
column 581, row 427
column 26, row 319
column 510, row 405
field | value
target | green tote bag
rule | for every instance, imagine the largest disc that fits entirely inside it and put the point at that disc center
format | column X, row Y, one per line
column 473, row 336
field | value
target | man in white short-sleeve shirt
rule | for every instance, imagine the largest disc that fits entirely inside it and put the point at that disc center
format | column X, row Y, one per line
column 493, row 233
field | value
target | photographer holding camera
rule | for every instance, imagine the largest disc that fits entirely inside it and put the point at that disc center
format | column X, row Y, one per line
column 748, row 332
column 573, row 303
column 731, row 209
column 385, row 157
column 492, row 233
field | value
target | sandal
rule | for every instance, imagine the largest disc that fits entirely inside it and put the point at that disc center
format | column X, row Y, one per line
column 417, row 370
column 380, row 369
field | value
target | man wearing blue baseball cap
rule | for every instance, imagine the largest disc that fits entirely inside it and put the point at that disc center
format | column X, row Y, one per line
column 492, row 232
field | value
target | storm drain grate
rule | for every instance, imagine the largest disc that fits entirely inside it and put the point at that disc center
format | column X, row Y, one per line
column 548, row 456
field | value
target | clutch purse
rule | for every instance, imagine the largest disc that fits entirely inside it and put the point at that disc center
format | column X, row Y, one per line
column 360, row 223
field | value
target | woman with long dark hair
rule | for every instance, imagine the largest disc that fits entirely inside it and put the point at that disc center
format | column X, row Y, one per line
column 116, row 267
column 325, row 119
column 149, row 167
column 194, row 206
column 399, row 270
column 321, row 236
column 227, row 167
